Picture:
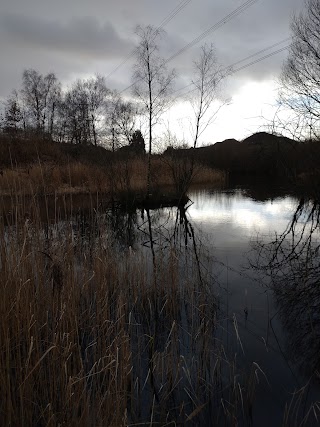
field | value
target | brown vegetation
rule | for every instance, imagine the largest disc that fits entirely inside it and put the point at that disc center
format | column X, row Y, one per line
column 95, row 333
column 95, row 336
column 43, row 167
column 263, row 154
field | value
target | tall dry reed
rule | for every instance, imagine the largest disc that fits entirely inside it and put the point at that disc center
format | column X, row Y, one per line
column 94, row 335
column 95, row 332
column 117, row 177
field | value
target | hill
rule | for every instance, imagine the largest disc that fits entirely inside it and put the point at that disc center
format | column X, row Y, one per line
column 264, row 138
column 262, row 154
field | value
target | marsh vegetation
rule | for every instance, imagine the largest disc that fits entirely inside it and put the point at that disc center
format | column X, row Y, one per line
column 112, row 317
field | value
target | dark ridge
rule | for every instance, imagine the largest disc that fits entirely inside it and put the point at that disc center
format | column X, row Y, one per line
column 229, row 141
column 260, row 138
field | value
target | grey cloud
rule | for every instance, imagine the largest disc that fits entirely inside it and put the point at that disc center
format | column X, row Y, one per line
column 260, row 26
column 83, row 36
column 75, row 38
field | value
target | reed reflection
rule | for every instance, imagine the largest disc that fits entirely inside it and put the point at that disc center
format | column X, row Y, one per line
column 172, row 318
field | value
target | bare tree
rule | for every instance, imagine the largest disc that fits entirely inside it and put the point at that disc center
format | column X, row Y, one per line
column 40, row 95
column 74, row 114
column 126, row 113
column 300, row 80
column 121, row 119
column 83, row 109
column 177, row 158
column 96, row 92
column 152, row 82
column 208, row 76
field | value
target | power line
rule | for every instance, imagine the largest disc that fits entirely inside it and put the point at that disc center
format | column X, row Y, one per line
column 214, row 27
column 164, row 22
column 230, row 67
column 262, row 58
column 175, row 11
column 244, row 66
column 259, row 52
column 120, row 65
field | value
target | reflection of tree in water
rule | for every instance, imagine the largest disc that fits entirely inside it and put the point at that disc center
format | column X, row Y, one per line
column 123, row 225
column 169, row 316
column 292, row 262
column 172, row 322
column 171, row 230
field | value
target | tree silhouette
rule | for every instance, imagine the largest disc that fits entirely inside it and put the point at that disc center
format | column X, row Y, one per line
column 13, row 115
column 152, row 82
column 300, row 80
column 40, row 95
column 137, row 142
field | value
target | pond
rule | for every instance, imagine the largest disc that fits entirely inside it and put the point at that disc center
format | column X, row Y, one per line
column 207, row 314
column 261, row 327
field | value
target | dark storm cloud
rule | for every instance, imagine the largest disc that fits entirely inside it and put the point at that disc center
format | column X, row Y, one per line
column 83, row 36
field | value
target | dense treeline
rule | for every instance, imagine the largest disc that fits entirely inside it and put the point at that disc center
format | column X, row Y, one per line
column 86, row 113
column 41, row 115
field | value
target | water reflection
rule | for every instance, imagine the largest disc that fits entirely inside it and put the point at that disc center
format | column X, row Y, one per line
column 291, row 261
column 123, row 225
column 171, row 317
column 271, row 319
column 284, row 233
column 172, row 323
column 237, row 210
column 195, row 305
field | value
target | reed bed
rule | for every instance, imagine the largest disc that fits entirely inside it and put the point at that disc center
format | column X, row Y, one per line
column 96, row 332
column 118, row 176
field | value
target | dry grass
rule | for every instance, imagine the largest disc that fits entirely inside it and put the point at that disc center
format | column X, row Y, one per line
column 119, row 176
column 162, row 173
column 96, row 333
column 94, row 336
column 50, row 178
column 34, row 165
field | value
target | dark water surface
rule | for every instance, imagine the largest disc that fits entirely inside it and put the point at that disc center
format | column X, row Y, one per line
column 260, row 329
column 231, row 223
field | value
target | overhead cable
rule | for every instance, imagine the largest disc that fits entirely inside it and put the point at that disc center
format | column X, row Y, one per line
column 231, row 66
column 214, row 27
column 164, row 22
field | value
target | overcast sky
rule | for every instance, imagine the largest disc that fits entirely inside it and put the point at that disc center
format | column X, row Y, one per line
column 78, row 38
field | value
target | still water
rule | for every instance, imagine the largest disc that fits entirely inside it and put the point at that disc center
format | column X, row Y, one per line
column 232, row 223
column 257, row 253
column 252, row 242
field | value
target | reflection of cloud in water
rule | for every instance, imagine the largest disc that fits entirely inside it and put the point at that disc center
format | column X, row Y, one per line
column 249, row 219
column 237, row 210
